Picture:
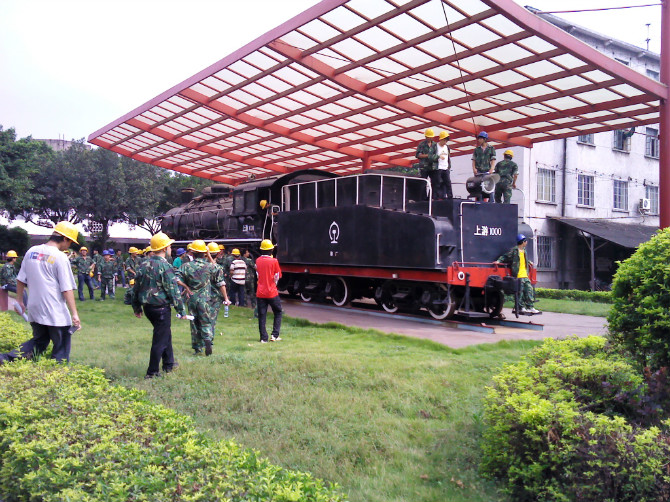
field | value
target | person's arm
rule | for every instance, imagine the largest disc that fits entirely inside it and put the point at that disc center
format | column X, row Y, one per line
column 20, row 286
column 492, row 162
column 224, row 292
column 69, row 300
column 514, row 181
column 474, row 167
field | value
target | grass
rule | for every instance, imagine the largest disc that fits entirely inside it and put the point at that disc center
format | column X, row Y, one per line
column 570, row 307
column 389, row 418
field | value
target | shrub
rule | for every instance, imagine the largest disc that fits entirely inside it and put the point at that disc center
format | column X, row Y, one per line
column 575, row 294
column 67, row 434
column 639, row 322
column 572, row 421
column 12, row 333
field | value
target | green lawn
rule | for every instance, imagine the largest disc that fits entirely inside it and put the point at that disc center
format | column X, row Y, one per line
column 388, row 418
column 570, row 307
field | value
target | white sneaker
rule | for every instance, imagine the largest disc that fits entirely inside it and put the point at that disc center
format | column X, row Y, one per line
column 524, row 311
column 534, row 311
column 264, row 341
column 275, row 339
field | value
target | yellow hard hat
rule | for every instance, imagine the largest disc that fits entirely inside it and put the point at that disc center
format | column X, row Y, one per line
column 132, row 250
column 83, row 248
column 160, row 241
column 12, row 254
column 90, row 273
column 213, row 247
column 199, row 246
column 266, row 245
column 263, row 204
column 235, row 251
column 444, row 135
column 147, row 249
column 188, row 246
column 429, row 133
column 131, row 282
column 140, row 252
column 509, row 152
column 67, row 229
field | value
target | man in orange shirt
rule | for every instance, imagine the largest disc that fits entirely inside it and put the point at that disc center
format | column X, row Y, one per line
column 269, row 272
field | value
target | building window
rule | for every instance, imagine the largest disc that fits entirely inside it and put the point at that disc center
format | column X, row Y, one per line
column 651, row 149
column 653, row 74
column 621, row 195
column 622, row 140
column 651, row 193
column 586, row 139
column 585, row 190
column 546, row 185
column 545, row 252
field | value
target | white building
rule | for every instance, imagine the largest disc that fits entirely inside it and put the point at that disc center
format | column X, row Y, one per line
column 596, row 191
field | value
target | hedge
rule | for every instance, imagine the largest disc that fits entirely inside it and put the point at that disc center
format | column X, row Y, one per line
column 12, row 333
column 575, row 294
column 67, row 434
column 575, row 421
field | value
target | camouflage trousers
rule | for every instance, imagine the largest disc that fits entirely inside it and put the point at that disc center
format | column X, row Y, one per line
column 250, row 290
column 503, row 191
column 215, row 302
column 107, row 286
column 526, row 294
column 201, row 326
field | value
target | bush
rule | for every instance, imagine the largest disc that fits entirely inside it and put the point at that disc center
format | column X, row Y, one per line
column 639, row 322
column 12, row 333
column 575, row 294
column 67, row 434
column 575, row 421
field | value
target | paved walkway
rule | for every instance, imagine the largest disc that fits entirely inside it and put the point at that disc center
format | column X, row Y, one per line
column 555, row 325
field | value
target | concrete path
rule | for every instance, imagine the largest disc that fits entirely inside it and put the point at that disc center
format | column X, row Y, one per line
column 555, row 325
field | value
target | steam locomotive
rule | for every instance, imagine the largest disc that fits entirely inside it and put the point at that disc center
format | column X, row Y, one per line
column 379, row 236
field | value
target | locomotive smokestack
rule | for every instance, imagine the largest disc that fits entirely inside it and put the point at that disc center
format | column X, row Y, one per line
column 187, row 195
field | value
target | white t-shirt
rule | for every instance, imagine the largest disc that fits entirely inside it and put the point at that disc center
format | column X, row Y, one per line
column 47, row 272
column 443, row 151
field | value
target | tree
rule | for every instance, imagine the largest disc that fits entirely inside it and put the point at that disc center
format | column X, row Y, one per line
column 14, row 238
column 19, row 162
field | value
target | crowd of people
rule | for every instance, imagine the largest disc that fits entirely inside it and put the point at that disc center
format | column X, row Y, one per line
column 435, row 164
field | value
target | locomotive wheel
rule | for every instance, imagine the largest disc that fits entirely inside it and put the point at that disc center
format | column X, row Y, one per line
column 386, row 301
column 495, row 304
column 389, row 306
column 341, row 294
column 306, row 297
column 445, row 310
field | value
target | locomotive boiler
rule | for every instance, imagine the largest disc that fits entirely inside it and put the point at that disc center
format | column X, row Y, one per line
column 379, row 236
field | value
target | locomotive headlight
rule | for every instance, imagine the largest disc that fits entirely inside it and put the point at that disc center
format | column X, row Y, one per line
column 482, row 184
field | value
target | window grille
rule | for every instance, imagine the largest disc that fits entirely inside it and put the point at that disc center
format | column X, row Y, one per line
column 651, row 193
column 545, row 252
column 546, row 185
column 651, row 146
column 620, row 195
column 585, row 190
column 621, row 140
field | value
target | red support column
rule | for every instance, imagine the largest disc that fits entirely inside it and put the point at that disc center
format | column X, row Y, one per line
column 367, row 162
column 664, row 126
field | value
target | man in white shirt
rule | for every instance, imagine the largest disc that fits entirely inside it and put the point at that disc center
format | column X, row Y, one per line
column 46, row 271
column 442, row 183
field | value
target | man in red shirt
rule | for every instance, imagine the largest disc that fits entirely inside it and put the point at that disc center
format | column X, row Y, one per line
column 269, row 273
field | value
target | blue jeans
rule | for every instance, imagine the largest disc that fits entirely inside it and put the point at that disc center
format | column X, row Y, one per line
column 12, row 288
column 88, row 280
column 42, row 335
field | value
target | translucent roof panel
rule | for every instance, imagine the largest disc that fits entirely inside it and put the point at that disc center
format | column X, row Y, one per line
column 352, row 84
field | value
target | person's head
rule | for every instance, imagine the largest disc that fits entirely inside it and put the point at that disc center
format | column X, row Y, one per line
column 83, row 251
column 444, row 137
column 213, row 248
column 199, row 248
column 482, row 138
column 429, row 135
column 267, row 247
column 11, row 256
column 246, row 253
column 132, row 250
column 521, row 241
column 180, row 251
column 509, row 154
column 160, row 244
column 95, row 252
column 236, row 253
column 106, row 256
column 65, row 233
column 118, row 252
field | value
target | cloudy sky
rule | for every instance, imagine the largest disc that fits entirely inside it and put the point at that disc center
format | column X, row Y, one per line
column 69, row 67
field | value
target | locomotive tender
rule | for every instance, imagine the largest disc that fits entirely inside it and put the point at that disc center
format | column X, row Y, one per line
column 371, row 235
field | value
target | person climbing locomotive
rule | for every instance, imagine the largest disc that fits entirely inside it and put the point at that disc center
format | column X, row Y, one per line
column 8, row 275
column 426, row 152
column 517, row 259
column 508, row 172
column 483, row 158
column 154, row 291
column 200, row 276
column 84, row 264
column 441, row 180
column 269, row 273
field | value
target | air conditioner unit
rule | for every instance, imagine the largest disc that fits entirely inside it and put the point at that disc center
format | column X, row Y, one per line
column 645, row 205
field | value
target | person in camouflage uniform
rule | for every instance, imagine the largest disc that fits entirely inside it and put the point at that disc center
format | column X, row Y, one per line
column 131, row 263
column 107, row 275
column 120, row 268
column 8, row 275
column 483, row 158
column 216, row 298
column 250, row 284
column 200, row 276
column 97, row 261
column 517, row 259
column 225, row 260
column 155, row 290
column 426, row 152
column 84, row 264
column 508, row 171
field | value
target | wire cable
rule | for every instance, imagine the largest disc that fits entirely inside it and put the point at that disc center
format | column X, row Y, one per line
column 596, row 10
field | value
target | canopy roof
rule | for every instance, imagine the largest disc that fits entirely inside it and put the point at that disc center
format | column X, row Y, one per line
column 352, row 84
column 622, row 234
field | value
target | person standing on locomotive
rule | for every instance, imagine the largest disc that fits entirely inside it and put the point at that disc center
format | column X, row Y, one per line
column 483, row 158
column 443, row 176
column 269, row 273
column 509, row 172
column 518, row 262
column 426, row 152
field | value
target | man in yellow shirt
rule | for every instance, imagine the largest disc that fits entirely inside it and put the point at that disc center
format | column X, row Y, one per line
column 517, row 260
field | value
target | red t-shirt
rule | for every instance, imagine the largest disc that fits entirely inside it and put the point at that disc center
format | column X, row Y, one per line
column 267, row 268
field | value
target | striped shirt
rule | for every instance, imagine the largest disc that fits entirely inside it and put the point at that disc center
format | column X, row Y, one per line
column 238, row 271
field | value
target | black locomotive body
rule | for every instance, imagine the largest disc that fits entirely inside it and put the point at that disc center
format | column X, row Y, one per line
column 378, row 236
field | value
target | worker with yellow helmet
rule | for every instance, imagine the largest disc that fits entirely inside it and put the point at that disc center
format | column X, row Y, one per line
column 51, row 309
column 426, row 152
column 440, row 178
column 131, row 264
column 201, row 276
column 154, row 291
column 8, row 274
column 509, row 172
column 84, row 264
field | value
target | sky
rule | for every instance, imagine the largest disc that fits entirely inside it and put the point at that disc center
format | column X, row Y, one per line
column 70, row 67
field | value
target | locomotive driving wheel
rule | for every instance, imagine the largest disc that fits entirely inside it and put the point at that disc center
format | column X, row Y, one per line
column 386, row 301
column 340, row 292
column 446, row 307
column 494, row 304
column 306, row 297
